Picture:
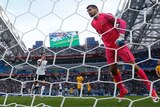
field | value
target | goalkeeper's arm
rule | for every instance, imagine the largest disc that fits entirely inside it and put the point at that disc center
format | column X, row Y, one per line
column 121, row 24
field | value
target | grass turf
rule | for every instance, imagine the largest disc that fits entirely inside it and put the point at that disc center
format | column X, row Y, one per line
column 76, row 102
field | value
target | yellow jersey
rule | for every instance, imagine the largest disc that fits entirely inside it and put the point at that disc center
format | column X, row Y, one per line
column 158, row 70
column 71, row 90
column 89, row 87
column 79, row 79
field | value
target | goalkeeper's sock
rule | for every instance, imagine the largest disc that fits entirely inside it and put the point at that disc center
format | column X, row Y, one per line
column 118, row 78
column 120, row 86
column 143, row 76
column 42, row 89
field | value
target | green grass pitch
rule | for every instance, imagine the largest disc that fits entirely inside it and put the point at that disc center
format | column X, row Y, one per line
column 76, row 102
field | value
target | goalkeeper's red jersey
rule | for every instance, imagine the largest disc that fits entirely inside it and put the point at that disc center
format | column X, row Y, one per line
column 104, row 24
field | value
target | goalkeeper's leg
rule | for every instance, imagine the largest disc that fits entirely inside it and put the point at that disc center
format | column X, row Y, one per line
column 110, row 56
column 141, row 74
column 118, row 78
column 128, row 57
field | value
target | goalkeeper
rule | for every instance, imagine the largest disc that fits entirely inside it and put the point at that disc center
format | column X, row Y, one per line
column 114, row 38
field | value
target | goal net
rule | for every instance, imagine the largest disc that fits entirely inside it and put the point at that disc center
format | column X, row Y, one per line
column 75, row 52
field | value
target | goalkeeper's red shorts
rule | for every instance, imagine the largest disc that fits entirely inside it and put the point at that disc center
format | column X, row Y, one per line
column 124, row 53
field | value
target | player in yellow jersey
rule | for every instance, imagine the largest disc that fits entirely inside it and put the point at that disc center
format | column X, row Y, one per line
column 89, row 88
column 71, row 91
column 79, row 80
column 158, row 69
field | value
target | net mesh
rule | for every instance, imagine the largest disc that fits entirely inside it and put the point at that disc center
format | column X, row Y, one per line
column 27, row 21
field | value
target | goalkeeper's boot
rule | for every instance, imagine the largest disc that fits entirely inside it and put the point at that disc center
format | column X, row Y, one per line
column 155, row 96
column 122, row 93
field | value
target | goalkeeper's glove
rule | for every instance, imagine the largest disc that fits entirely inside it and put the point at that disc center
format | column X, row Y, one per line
column 120, row 41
